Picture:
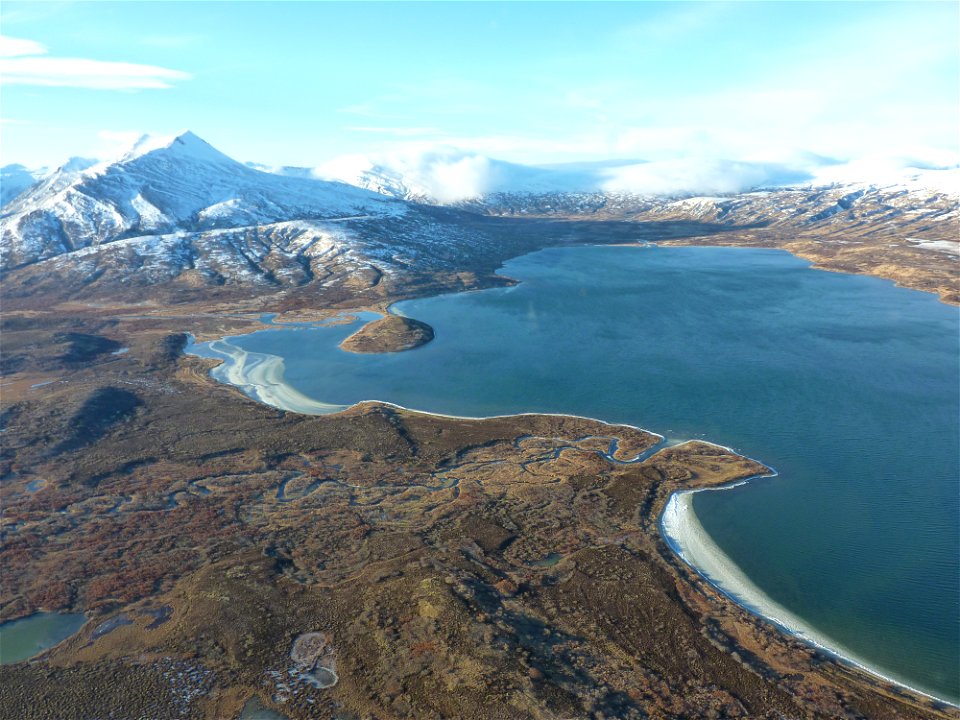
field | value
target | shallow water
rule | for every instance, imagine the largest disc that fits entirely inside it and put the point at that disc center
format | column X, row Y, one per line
column 29, row 636
column 847, row 385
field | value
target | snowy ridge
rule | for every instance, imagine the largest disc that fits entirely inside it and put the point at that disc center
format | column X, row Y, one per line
column 162, row 185
column 15, row 179
column 853, row 209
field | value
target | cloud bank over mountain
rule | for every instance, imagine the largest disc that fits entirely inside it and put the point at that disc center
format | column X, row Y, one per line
column 448, row 175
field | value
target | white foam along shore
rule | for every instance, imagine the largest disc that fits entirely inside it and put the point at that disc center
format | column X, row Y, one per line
column 260, row 376
column 687, row 537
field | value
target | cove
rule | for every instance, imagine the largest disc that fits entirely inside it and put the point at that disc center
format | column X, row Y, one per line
column 846, row 385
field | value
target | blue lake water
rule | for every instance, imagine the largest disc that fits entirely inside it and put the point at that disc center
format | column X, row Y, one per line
column 847, row 385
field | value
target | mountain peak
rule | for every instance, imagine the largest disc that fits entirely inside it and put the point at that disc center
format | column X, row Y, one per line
column 184, row 144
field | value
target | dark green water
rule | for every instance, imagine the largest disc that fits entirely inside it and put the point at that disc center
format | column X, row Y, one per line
column 846, row 385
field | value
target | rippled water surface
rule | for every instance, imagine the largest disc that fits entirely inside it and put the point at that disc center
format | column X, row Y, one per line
column 847, row 385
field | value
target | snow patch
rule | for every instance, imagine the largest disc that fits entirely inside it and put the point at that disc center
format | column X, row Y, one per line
column 150, row 217
column 951, row 247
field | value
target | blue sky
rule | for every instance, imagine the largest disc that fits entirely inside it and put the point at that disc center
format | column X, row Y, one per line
column 301, row 83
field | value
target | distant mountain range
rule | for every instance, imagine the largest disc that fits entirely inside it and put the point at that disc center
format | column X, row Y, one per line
column 177, row 209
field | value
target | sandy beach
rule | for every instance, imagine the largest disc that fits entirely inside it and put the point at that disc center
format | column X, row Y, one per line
column 687, row 537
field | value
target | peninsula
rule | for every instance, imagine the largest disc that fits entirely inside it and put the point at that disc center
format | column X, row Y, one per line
column 391, row 333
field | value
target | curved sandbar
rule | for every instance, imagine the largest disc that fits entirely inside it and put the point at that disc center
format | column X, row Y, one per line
column 260, row 376
column 686, row 536
column 391, row 333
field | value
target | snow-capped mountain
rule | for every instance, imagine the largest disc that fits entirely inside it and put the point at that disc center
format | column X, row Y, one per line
column 164, row 185
column 176, row 213
column 902, row 209
column 912, row 196
column 14, row 179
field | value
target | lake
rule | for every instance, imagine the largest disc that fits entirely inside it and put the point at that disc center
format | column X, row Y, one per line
column 22, row 639
column 846, row 385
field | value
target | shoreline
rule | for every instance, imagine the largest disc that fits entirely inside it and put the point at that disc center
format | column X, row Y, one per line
column 286, row 397
column 689, row 541
column 260, row 377
column 815, row 263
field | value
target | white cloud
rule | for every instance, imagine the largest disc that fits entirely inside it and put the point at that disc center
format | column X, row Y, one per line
column 693, row 175
column 15, row 47
column 449, row 175
column 443, row 173
column 461, row 179
column 25, row 63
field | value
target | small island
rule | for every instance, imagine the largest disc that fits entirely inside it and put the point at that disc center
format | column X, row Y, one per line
column 391, row 333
